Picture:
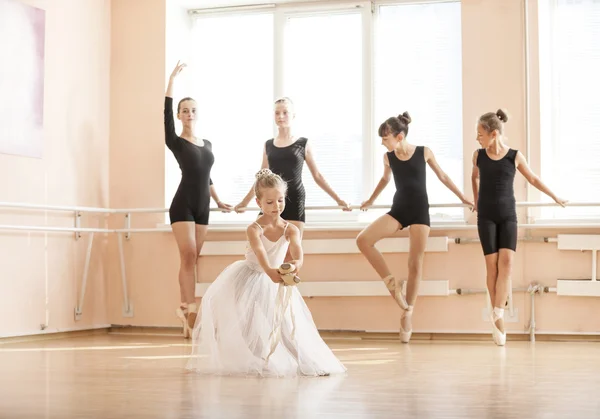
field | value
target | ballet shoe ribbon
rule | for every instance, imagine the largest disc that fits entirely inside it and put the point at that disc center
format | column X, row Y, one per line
column 283, row 300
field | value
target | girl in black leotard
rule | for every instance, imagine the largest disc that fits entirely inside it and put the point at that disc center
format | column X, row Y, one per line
column 189, row 211
column 494, row 168
column 285, row 155
column 410, row 207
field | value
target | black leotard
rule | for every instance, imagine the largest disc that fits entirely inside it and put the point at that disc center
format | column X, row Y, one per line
column 288, row 162
column 496, row 205
column 192, row 199
column 411, row 203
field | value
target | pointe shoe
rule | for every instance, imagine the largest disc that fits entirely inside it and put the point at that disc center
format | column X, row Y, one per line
column 401, row 289
column 499, row 337
column 191, row 317
column 405, row 335
column 491, row 314
column 389, row 282
column 182, row 313
column 494, row 328
column 288, row 276
column 397, row 290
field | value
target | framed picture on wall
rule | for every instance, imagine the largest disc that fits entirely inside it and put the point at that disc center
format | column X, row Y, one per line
column 22, row 37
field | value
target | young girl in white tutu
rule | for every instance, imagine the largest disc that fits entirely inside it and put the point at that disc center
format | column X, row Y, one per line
column 250, row 323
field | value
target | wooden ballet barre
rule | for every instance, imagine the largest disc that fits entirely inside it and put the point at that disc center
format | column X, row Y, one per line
column 21, row 205
column 434, row 227
column 49, row 229
column 128, row 212
column 450, row 205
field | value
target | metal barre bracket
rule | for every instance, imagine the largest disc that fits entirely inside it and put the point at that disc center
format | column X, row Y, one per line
column 77, row 224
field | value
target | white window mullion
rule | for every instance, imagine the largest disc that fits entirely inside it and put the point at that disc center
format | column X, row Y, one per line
column 369, row 177
column 279, row 20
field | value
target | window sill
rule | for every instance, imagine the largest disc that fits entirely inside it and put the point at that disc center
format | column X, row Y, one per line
column 567, row 221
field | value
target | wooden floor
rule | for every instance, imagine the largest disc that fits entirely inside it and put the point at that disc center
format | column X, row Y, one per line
column 128, row 376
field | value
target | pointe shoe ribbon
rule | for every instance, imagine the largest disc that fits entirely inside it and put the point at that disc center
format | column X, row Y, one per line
column 397, row 289
column 283, row 300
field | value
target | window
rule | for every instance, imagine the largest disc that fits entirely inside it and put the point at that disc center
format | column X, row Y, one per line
column 570, row 127
column 346, row 72
column 323, row 76
column 418, row 68
column 232, row 82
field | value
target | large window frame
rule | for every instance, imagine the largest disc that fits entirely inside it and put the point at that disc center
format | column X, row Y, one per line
column 549, row 77
column 371, row 149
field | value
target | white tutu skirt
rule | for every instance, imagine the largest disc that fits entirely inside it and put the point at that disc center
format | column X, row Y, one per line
column 242, row 330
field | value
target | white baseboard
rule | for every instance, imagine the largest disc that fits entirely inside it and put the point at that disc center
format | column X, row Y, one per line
column 54, row 330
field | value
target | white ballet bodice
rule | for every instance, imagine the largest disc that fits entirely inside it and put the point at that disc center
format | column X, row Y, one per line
column 275, row 251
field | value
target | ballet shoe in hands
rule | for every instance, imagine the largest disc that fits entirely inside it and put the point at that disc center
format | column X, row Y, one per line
column 287, row 271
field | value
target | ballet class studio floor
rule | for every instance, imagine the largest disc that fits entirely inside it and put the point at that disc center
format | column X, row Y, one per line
column 142, row 375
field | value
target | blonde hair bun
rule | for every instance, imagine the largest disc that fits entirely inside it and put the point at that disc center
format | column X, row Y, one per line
column 265, row 178
column 263, row 173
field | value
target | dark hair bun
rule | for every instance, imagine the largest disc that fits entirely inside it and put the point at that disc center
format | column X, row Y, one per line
column 405, row 117
column 502, row 115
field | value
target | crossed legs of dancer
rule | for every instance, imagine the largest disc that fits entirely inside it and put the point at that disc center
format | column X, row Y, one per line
column 498, row 269
column 403, row 292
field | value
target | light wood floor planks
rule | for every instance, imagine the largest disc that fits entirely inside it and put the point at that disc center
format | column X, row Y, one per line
column 142, row 376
